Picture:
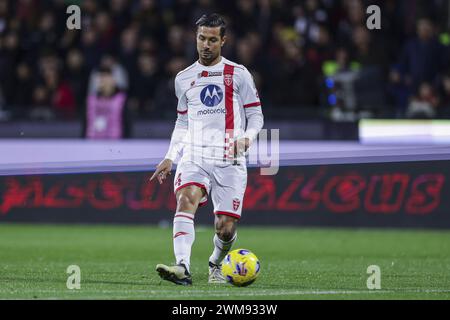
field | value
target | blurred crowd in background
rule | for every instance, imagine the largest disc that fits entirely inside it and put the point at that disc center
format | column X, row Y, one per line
column 308, row 58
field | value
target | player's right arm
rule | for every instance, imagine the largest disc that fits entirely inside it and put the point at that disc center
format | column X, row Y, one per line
column 164, row 168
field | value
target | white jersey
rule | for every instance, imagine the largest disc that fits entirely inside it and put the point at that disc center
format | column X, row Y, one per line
column 214, row 99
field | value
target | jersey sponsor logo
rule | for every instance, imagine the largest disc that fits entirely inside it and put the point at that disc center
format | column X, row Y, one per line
column 211, row 111
column 205, row 74
column 211, row 95
column 236, row 203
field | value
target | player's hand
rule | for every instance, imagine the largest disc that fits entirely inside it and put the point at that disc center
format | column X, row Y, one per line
column 240, row 147
column 163, row 169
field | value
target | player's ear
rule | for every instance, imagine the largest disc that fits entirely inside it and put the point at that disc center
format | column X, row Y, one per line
column 224, row 38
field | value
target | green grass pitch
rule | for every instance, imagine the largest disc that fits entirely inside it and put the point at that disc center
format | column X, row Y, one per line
column 117, row 262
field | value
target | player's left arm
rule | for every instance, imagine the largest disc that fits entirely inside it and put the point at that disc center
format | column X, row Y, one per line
column 252, row 109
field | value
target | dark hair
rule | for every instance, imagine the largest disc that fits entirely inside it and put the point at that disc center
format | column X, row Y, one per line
column 212, row 20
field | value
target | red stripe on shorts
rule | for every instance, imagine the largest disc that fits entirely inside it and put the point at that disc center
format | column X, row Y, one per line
column 192, row 184
column 225, row 213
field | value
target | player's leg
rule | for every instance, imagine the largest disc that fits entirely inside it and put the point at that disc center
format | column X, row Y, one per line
column 224, row 238
column 191, row 191
column 228, row 188
column 188, row 200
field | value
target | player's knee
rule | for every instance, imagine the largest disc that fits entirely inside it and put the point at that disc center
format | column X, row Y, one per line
column 226, row 234
column 225, row 230
column 186, row 202
column 188, row 198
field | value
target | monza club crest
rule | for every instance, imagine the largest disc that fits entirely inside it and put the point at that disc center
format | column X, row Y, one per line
column 228, row 79
column 236, row 203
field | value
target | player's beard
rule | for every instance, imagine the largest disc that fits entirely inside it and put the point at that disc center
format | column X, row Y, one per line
column 207, row 57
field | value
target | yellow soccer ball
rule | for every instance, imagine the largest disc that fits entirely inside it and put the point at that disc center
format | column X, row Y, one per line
column 240, row 267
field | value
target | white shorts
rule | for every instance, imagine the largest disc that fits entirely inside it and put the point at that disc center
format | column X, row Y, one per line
column 226, row 183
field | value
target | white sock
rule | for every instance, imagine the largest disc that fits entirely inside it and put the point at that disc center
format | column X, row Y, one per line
column 183, row 237
column 221, row 249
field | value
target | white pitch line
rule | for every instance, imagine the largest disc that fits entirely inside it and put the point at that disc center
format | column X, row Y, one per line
column 201, row 293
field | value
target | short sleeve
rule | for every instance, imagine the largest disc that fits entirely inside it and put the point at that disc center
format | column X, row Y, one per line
column 248, row 92
column 182, row 101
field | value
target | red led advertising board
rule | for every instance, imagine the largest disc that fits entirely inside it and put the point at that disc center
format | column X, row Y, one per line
column 409, row 194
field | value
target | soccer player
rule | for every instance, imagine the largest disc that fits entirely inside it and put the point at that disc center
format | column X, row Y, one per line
column 219, row 116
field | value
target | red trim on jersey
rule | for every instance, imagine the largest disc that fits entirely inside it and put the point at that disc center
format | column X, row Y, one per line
column 192, row 184
column 182, row 112
column 225, row 213
column 228, row 70
column 201, row 204
column 254, row 104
